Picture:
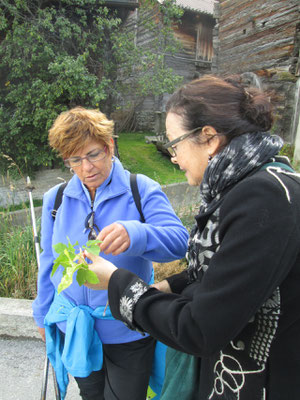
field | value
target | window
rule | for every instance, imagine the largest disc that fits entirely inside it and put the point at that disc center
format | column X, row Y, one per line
column 204, row 42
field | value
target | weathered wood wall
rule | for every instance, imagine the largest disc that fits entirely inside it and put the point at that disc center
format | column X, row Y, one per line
column 260, row 36
column 256, row 34
column 151, row 111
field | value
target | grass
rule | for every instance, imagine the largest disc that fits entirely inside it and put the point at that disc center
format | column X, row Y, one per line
column 139, row 157
column 18, row 267
column 25, row 204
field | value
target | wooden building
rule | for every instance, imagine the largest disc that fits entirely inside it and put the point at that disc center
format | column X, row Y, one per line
column 194, row 58
column 260, row 38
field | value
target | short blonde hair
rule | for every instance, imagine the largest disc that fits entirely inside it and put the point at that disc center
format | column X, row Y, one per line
column 74, row 128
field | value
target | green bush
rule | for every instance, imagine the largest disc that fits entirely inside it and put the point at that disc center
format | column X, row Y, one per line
column 57, row 55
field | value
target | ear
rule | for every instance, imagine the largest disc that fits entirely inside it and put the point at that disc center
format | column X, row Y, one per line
column 112, row 146
column 214, row 141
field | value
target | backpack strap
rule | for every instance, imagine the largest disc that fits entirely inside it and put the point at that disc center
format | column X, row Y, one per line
column 133, row 186
column 279, row 165
column 58, row 199
column 136, row 195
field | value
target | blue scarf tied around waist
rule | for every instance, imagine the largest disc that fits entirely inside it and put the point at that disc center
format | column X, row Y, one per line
column 81, row 351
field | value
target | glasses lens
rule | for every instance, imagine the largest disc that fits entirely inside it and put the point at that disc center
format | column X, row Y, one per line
column 89, row 224
column 171, row 151
column 92, row 235
column 89, row 221
column 73, row 162
column 97, row 156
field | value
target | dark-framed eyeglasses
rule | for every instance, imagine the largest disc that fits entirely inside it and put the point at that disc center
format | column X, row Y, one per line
column 169, row 145
column 93, row 156
column 89, row 224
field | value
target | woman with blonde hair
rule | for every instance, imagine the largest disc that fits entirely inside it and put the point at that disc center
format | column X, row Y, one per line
column 108, row 360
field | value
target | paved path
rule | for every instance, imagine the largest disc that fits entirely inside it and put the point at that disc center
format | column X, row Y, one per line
column 15, row 192
column 21, row 371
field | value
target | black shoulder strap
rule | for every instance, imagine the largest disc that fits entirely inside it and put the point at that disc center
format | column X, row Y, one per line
column 134, row 189
column 136, row 195
column 58, row 199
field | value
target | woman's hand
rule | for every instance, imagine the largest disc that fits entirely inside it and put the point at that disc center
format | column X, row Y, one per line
column 115, row 239
column 102, row 268
column 42, row 333
column 163, row 286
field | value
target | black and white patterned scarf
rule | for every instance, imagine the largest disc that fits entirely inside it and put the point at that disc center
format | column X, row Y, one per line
column 244, row 154
column 241, row 156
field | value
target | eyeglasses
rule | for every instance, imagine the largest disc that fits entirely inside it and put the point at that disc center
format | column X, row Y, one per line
column 93, row 156
column 169, row 145
column 89, row 224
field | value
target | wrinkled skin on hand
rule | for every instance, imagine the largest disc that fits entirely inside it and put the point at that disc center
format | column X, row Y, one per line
column 115, row 239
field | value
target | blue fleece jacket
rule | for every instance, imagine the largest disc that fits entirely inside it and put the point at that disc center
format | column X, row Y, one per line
column 161, row 238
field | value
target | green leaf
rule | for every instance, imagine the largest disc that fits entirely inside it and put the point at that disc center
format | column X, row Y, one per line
column 92, row 242
column 91, row 277
column 92, row 247
column 68, row 259
column 80, row 277
column 59, row 247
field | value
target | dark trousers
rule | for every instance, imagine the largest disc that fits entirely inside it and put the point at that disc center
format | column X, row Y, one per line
column 124, row 375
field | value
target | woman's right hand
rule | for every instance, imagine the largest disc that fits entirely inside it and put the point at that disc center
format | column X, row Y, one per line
column 42, row 333
column 163, row 286
column 102, row 268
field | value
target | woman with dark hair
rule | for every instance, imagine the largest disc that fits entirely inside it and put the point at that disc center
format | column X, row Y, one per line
column 233, row 317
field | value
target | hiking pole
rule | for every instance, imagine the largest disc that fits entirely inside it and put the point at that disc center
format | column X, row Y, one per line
column 30, row 188
column 45, row 379
column 35, row 235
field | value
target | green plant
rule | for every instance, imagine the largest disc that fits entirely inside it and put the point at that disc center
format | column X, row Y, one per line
column 288, row 151
column 21, row 206
column 72, row 262
column 58, row 54
column 18, row 266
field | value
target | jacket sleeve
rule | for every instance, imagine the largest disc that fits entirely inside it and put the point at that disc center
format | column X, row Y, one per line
column 162, row 237
column 45, row 288
column 259, row 243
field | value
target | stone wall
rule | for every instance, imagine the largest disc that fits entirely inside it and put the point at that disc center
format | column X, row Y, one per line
column 181, row 196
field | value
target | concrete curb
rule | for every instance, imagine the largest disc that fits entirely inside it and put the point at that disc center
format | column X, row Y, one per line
column 16, row 318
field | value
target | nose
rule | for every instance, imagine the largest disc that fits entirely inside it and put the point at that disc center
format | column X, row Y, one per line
column 86, row 164
column 174, row 160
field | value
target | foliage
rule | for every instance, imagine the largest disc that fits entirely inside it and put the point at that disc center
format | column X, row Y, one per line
column 139, row 157
column 25, row 204
column 288, row 151
column 73, row 262
column 152, row 77
column 58, row 54
column 18, row 266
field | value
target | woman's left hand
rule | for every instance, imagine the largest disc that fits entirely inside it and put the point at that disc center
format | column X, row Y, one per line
column 102, row 268
column 115, row 239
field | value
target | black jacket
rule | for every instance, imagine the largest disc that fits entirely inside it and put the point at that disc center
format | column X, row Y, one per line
column 220, row 317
